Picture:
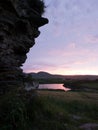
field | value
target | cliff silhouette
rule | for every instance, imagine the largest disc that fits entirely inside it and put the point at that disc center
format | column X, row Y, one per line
column 19, row 23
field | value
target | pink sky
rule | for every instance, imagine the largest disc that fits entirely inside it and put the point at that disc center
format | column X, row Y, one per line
column 69, row 43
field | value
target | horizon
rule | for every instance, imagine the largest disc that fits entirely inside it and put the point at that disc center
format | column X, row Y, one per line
column 60, row 74
column 68, row 45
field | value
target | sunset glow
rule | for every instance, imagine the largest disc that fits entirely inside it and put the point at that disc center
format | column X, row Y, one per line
column 68, row 45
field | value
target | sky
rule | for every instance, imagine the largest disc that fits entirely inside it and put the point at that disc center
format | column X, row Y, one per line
column 68, row 45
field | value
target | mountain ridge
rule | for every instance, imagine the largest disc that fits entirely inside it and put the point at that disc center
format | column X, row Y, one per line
column 43, row 74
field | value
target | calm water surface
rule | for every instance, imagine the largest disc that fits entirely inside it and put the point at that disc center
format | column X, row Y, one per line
column 53, row 86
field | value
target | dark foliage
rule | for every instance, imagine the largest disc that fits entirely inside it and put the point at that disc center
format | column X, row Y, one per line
column 37, row 5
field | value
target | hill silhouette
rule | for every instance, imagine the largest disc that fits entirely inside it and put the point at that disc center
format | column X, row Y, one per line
column 46, row 75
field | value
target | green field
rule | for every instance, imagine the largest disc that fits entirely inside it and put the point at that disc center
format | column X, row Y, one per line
column 49, row 110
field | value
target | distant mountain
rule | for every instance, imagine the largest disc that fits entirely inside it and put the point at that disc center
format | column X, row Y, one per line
column 46, row 75
column 41, row 74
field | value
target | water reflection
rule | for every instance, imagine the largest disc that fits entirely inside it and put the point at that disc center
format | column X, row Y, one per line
column 53, row 86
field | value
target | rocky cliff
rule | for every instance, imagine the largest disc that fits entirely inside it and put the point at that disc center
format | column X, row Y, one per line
column 19, row 23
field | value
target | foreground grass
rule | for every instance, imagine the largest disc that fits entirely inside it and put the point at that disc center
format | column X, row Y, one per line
column 74, row 108
column 48, row 110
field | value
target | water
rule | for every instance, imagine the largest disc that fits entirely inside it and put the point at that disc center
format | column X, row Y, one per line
column 53, row 86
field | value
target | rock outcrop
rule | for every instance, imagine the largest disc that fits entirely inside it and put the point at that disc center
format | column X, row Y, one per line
column 19, row 23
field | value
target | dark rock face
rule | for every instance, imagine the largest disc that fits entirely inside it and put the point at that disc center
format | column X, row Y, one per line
column 19, row 23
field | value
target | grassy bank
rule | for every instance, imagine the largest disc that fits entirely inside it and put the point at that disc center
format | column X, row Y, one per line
column 82, row 85
column 70, row 109
column 48, row 110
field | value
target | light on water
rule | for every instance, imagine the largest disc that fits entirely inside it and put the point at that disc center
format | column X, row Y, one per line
column 53, row 86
